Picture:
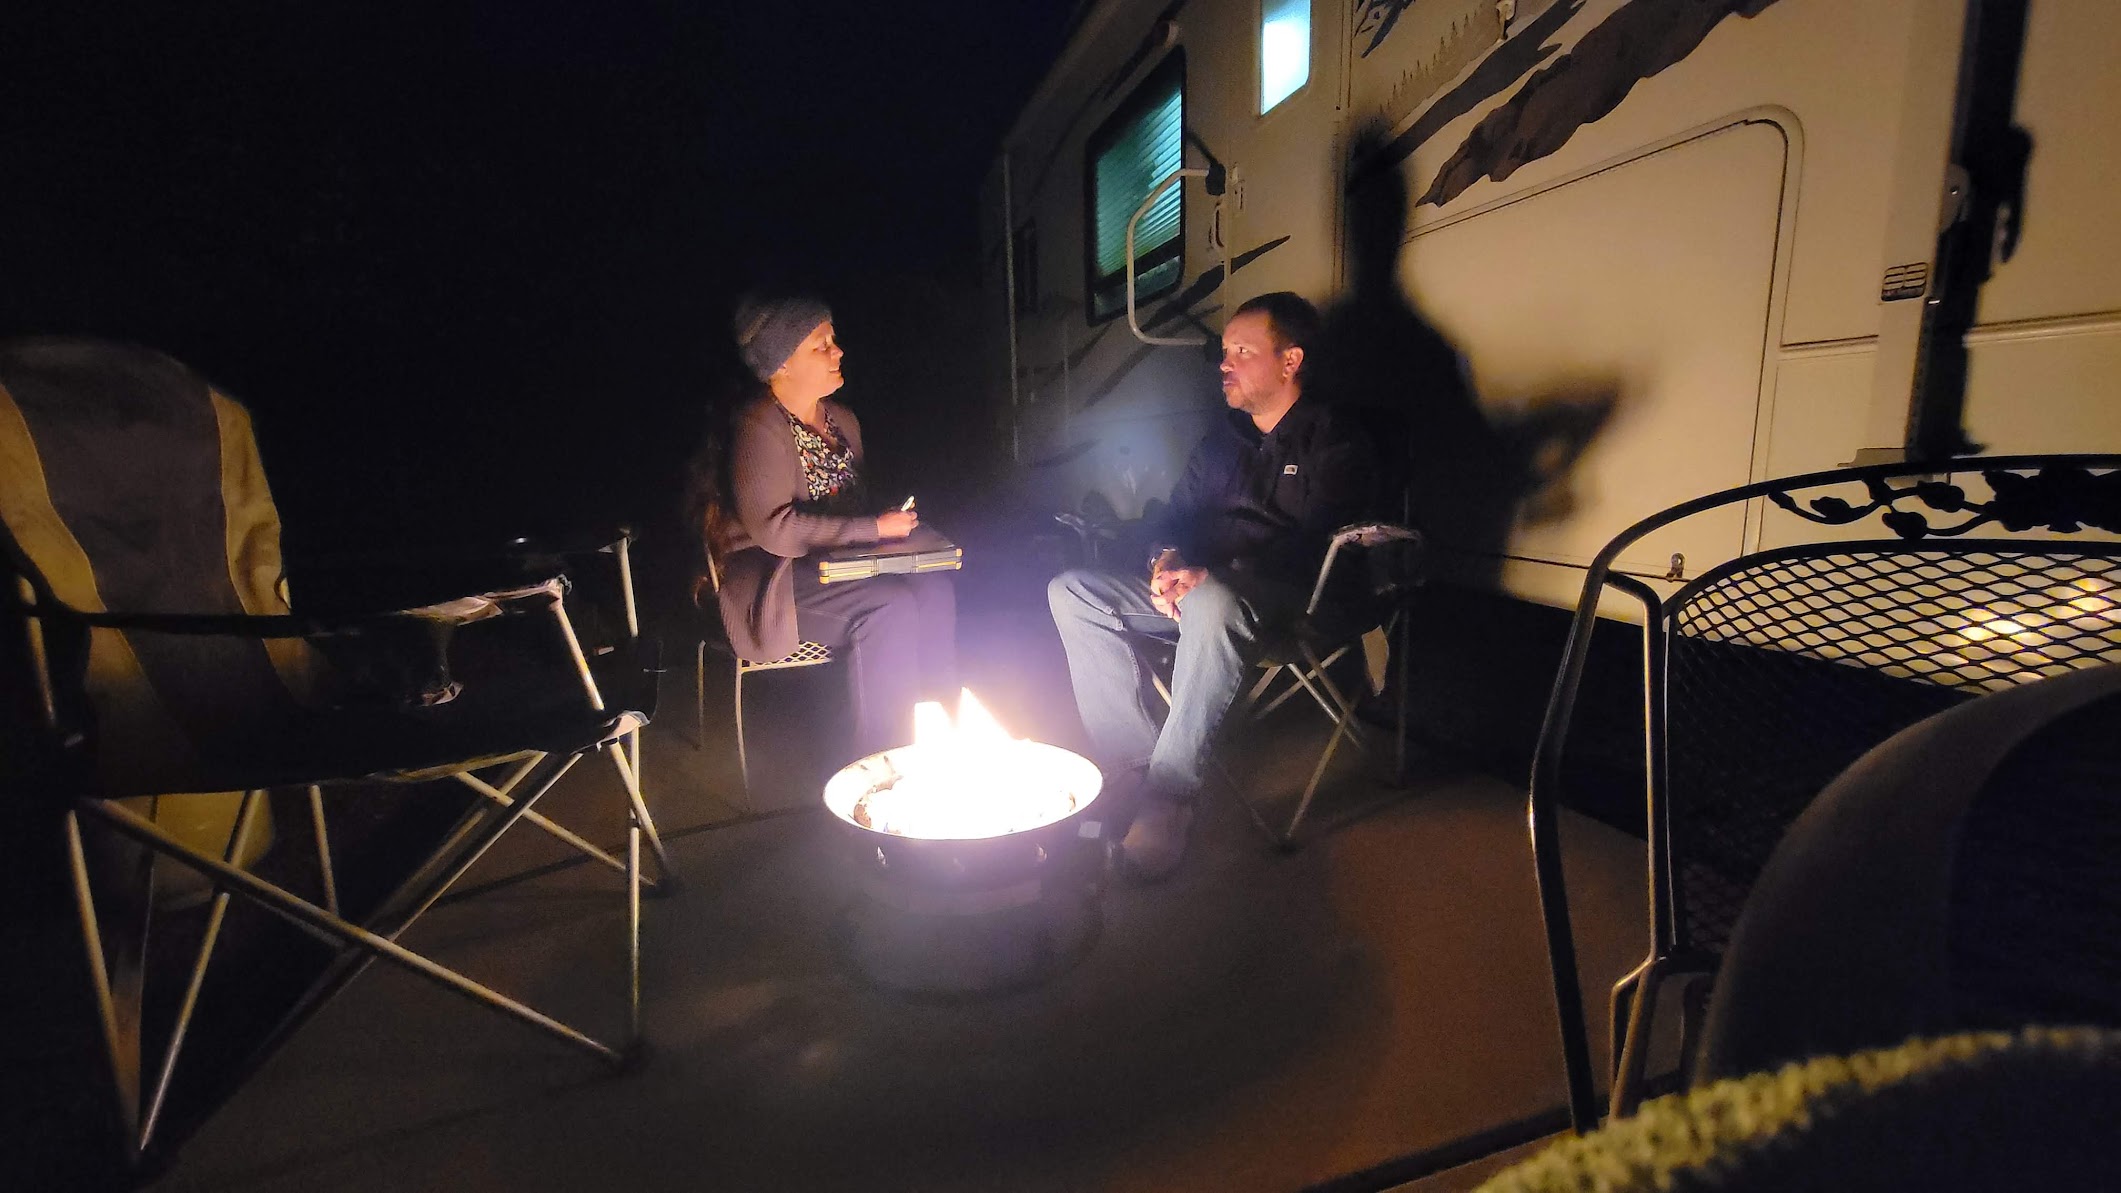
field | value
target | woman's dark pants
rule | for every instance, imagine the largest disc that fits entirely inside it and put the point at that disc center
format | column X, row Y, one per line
column 899, row 637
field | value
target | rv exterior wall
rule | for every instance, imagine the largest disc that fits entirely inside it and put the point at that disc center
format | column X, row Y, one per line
column 1706, row 238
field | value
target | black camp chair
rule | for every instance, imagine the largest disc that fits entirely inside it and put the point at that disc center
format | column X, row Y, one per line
column 143, row 555
column 1359, row 602
column 1874, row 598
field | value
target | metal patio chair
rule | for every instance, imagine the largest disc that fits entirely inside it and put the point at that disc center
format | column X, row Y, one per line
column 1877, row 597
column 142, row 547
column 1359, row 600
column 805, row 654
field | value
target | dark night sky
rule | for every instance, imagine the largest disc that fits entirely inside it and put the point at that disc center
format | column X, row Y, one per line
column 446, row 249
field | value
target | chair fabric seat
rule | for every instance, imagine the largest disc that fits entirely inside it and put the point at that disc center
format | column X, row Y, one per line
column 489, row 723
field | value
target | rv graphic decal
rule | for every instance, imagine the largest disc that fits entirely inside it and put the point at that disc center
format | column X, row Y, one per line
column 1639, row 40
column 1179, row 308
column 1376, row 18
column 1469, row 39
column 1039, row 374
column 1525, row 50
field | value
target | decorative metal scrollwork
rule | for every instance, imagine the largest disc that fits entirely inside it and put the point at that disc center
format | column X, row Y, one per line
column 2062, row 498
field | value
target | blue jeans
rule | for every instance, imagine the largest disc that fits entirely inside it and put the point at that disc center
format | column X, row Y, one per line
column 1100, row 615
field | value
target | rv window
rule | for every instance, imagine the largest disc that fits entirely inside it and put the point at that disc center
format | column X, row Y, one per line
column 1284, row 50
column 1137, row 148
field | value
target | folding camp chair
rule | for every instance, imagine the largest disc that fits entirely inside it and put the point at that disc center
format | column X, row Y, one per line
column 1766, row 676
column 805, row 654
column 1358, row 603
column 143, row 552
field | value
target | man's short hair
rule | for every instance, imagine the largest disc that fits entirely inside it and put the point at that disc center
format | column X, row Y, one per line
column 1292, row 318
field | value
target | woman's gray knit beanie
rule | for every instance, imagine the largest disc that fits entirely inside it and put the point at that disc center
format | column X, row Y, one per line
column 769, row 330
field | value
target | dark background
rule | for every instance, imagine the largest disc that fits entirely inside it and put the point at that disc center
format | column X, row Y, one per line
column 470, row 261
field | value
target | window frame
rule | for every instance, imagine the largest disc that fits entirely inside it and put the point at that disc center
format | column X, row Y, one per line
column 1153, row 87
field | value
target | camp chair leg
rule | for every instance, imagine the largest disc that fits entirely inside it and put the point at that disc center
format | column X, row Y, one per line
column 322, row 923
column 1341, row 711
column 1343, row 726
column 1229, row 782
column 641, row 820
column 1296, row 685
column 214, row 918
column 743, row 760
column 1620, row 1011
column 699, row 695
column 1631, row 1065
column 316, row 819
column 472, row 837
column 1318, row 772
column 1251, row 698
column 581, row 661
column 633, row 932
column 461, row 851
column 500, row 796
column 121, row 1034
column 1403, row 627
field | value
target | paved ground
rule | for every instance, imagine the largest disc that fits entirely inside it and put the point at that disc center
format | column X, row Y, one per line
column 1261, row 1022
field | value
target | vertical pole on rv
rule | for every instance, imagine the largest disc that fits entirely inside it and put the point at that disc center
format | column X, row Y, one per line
column 1919, row 205
column 1016, row 445
column 1958, row 178
column 1987, row 174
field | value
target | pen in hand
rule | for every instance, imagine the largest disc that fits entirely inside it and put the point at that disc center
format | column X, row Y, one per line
column 897, row 523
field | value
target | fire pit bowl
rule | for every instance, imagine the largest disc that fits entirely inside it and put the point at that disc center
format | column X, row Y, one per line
column 1018, row 819
column 978, row 868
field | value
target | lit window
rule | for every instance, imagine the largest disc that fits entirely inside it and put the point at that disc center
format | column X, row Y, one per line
column 1284, row 49
column 1140, row 146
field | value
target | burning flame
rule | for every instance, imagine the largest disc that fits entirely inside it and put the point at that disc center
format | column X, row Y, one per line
column 966, row 778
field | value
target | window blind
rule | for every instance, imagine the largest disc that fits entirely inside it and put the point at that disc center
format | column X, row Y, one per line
column 1144, row 154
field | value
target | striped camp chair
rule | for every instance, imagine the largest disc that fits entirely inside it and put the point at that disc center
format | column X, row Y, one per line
column 144, row 580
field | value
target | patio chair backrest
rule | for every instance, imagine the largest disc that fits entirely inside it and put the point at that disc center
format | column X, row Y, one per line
column 130, row 484
column 1769, row 674
column 1786, row 666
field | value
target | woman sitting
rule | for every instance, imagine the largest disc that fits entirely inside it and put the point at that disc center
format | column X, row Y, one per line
column 791, row 484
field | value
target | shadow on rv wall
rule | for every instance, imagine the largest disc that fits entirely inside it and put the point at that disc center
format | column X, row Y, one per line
column 1470, row 473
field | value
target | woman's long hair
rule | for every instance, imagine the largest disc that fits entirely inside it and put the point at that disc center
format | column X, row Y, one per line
column 710, row 507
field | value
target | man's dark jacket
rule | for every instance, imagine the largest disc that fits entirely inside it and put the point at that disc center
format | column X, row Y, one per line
column 1267, row 504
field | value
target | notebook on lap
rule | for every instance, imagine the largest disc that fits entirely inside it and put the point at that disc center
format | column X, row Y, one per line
column 924, row 550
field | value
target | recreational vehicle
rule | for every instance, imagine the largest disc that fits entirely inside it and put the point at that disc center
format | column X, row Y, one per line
column 1601, row 256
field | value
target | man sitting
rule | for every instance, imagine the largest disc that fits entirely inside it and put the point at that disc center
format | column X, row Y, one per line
column 1240, row 547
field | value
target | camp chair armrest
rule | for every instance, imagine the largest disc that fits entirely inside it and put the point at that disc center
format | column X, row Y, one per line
column 366, row 583
column 1357, row 534
column 524, row 549
column 529, row 598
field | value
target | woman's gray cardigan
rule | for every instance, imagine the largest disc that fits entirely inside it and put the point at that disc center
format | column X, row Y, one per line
column 772, row 530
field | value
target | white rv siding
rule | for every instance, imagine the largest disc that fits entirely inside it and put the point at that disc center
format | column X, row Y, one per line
column 1711, row 246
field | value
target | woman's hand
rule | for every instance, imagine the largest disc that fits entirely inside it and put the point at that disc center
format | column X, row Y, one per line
column 896, row 524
